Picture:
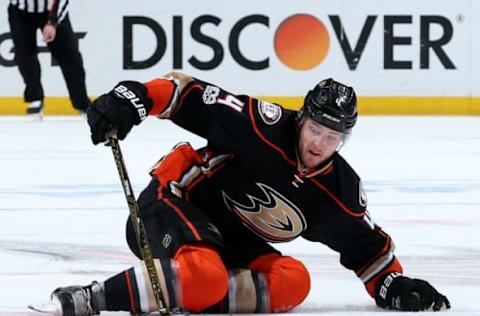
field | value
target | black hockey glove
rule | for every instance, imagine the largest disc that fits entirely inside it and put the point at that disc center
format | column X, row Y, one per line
column 117, row 111
column 405, row 294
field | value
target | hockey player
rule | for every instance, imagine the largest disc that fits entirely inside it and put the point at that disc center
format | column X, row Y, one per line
column 267, row 175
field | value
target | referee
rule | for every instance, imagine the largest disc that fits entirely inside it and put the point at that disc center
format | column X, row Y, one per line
column 51, row 17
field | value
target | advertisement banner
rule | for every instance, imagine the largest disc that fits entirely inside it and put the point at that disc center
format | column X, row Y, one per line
column 401, row 56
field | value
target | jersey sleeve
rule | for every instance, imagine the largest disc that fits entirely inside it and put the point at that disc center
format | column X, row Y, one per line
column 223, row 118
column 347, row 227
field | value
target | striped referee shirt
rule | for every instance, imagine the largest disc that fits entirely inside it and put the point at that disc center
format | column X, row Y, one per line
column 57, row 9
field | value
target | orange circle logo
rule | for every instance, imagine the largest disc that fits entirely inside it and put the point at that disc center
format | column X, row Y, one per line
column 301, row 42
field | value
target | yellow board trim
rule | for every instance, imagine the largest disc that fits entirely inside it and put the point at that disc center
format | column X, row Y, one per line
column 53, row 106
column 366, row 105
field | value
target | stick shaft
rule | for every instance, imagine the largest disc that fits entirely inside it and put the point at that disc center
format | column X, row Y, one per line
column 138, row 225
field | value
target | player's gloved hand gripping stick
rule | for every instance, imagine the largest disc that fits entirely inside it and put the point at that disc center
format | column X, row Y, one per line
column 126, row 105
column 111, row 117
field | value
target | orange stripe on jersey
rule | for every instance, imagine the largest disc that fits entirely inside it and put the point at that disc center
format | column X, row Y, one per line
column 162, row 92
column 184, row 218
column 329, row 170
column 395, row 266
column 133, row 309
column 257, row 131
column 337, row 200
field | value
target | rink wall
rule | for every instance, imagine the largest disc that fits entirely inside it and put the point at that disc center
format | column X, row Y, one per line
column 402, row 57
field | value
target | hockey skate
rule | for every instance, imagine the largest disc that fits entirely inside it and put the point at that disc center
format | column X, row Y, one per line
column 35, row 110
column 68, row 301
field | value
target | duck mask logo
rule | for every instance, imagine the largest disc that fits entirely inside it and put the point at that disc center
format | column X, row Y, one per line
column 272, row 217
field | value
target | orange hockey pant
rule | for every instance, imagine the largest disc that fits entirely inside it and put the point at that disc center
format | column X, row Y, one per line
column 204, row 280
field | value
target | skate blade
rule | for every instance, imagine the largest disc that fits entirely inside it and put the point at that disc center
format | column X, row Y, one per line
column 51, row 307
column 35, row 117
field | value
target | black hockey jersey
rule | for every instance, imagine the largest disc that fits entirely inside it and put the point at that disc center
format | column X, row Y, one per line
column 252, row 185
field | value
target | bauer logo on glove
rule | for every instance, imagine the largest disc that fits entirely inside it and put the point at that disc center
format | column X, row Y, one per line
column 126, row 105
column 398, row 292
column 124, row 92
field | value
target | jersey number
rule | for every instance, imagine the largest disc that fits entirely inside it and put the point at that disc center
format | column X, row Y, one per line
column 232, row 102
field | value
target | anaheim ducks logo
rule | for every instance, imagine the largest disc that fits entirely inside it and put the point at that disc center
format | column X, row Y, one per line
column 272, row 217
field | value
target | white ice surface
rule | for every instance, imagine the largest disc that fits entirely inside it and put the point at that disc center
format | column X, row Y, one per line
column 62, row 210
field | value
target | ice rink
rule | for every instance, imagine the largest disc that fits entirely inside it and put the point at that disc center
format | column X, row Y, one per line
column 62, row 210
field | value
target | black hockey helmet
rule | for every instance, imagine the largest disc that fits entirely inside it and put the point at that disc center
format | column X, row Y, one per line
column 331, row 104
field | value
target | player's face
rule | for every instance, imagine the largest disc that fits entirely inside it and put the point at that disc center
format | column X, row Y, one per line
column 317, row 143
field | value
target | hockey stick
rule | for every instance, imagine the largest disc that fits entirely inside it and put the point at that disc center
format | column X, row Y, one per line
column 138, row 226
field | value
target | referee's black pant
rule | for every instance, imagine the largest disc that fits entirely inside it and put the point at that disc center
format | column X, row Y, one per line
column 64, row 49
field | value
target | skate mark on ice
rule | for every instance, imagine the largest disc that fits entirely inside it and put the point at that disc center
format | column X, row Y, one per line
column 71, row 252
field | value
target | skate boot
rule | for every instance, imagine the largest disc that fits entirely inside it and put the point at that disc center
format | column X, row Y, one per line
column 70, row 301
column 35, row 110
column 75, row 300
